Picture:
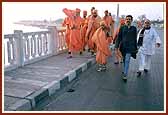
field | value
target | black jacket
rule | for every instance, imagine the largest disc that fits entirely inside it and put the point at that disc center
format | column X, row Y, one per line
column 127, row 40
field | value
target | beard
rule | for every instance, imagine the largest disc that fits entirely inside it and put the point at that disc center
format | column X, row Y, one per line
column 147, row 28
column 94, row 16
column 128, row 23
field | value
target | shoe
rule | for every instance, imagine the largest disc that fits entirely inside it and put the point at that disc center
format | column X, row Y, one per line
column 138, row 73
column 121, row 61
column 69, row 57
column 124, row 77
column 80, row 53
column 116, row 62
column 103, row 68
column 92, row 53
column 145, row 70
column 100, row 69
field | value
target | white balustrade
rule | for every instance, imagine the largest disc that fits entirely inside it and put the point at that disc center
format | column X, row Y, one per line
column 25, row 48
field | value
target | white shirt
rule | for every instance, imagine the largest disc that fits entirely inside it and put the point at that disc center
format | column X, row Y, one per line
column 149, row 41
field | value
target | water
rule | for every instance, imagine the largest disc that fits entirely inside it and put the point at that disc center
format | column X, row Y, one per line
column 10, row 29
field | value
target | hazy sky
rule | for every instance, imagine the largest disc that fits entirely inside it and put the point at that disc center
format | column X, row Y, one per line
column 15, row 11
column 53, row 10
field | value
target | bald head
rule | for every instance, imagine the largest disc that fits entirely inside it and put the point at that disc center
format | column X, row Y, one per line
column 94, row 13
column 147, row 21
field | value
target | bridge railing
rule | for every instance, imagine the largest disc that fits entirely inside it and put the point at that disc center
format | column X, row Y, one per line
column 25, row 48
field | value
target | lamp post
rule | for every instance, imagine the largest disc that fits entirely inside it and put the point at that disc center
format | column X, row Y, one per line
column 117, row 18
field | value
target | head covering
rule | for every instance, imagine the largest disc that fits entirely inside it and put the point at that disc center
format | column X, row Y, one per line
column 78, row 10
column 84, row 12
column 68, row 12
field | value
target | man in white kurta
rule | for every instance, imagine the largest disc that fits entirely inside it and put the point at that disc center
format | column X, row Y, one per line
column 150, row 41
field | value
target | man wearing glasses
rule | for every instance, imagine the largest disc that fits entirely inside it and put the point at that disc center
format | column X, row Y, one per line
column 127, row 44
column 148, row 39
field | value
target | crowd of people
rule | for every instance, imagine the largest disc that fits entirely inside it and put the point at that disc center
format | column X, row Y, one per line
column 95, row 34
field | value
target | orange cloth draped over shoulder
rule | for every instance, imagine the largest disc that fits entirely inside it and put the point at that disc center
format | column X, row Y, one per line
column 122, row 22
column 117, row 51
column 66, row 23
column 93, row 25
column 103, row 51
column 111, row 28
column 109, row 23
column 84, row 27
column 69, row 13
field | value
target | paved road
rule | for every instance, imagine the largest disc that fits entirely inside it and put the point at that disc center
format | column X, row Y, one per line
column 106, row 91
column 33, row 82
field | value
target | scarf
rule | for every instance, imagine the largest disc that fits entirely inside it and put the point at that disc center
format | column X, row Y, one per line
column 141, row 35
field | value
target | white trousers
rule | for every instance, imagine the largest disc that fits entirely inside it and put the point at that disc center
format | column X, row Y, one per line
column 144, row 61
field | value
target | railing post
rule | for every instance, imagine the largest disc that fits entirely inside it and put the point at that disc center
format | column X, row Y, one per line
column 53, row 40
column 19, row 47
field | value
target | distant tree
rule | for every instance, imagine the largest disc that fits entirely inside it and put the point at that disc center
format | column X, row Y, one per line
column 60, row 20
column 114, row 16
column 142, row 17
column 122, row 16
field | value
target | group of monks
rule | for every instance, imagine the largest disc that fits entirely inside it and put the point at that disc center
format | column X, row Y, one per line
column 91, row 32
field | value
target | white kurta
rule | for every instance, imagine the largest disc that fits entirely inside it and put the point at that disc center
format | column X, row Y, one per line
column 148, row 48
column 149, row 41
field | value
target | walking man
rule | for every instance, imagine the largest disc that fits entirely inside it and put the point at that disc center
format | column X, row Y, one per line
column 84, row 26
column 148, row 39
column 118, row 56
column 93, row 25
column 103, row 51
column 75, row 44
column 127, row 44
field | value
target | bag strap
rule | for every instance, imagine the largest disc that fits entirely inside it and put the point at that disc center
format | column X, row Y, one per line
column 141, row 35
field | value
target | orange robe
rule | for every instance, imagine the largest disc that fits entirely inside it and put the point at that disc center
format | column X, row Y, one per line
column 118, row 54
column 93, row 25
column 117, row 51
column 66, row 23
column 103, row 51
column 109, row 23
column 116, row 33
column 84, row 27
column 75, row 34
column 75, row 31
column 112, row 26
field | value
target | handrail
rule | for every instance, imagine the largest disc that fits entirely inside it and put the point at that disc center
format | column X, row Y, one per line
column 25, row 48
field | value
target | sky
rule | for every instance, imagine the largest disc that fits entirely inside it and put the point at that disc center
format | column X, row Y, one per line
column 16, row 11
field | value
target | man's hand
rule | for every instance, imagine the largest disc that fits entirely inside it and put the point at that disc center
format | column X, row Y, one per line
column 138, row 47
column 158, row 45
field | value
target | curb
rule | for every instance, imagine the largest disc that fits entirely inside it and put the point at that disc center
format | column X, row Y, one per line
column 31, row 101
